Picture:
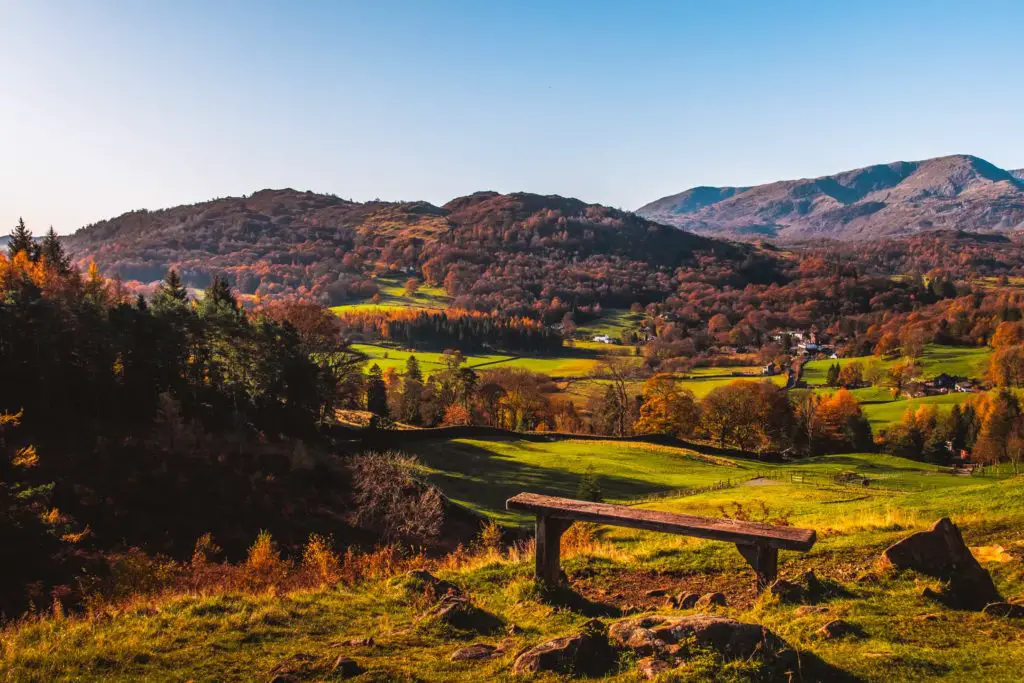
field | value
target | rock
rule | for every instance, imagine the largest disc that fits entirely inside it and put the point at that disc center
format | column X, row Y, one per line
column 656, row 593
column 649, row 667
column 282, row 678
column 810, row 609
column 837, row 628
column 787, row 591
column 458, row 612
column 346, row 667
column 813, row 588
column 513, row 630
column 733, row 639
column 587, row 653
column 671, row 602
column 427, row 582
column 360, row 642
column 709, row 599
column 1005, row 609
column 688, row 601
column 942, row 553
column 928, row 617
column 867, row 578
column 474, row 651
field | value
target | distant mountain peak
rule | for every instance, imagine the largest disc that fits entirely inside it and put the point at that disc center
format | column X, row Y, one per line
column 954, row 192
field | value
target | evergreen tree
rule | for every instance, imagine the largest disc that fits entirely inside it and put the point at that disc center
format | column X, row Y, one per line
column 21, row 240
column 832, row 379
column 412, row 391
column 170, row 294
column 218, row 299
column 376, row 392
column 53, row 252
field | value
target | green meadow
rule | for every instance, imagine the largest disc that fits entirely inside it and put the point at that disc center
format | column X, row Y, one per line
column 936, row 359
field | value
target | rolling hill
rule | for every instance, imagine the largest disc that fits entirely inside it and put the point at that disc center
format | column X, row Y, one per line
column 521, row 246
column 959, row 192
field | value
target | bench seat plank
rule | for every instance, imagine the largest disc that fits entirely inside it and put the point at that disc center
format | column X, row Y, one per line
column 733, row 531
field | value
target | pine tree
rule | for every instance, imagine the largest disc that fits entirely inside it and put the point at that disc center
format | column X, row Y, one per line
column 53, row 252
column 376, row 392
column 412, row 391
column 170, row 294
column 218, row 299
column 21, row 240
column 832, row 379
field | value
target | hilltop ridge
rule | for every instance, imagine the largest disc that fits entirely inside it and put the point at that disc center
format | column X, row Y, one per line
column 957, row 192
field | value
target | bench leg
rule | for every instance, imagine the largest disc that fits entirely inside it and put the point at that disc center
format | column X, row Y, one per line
column 764, row 560
column 548, row 546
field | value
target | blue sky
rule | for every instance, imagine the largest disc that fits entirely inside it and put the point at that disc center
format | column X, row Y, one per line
column 111, row 106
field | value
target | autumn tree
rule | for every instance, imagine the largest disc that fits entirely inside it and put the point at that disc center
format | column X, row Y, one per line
column 839, row 423
column 998, row 412
column 747, row 415
column 667, row 408
column 851, row 374
column 1006, row 366
column 1007, row 334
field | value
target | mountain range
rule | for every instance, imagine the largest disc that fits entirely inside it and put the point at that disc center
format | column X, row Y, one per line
column 959, row 192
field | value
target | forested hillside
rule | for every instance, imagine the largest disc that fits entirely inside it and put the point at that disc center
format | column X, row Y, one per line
column 487, row 250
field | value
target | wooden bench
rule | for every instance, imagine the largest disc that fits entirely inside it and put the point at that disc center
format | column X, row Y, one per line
column 759, row 544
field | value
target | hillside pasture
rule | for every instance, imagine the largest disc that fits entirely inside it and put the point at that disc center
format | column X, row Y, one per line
column 483, row 473
column 959, row 361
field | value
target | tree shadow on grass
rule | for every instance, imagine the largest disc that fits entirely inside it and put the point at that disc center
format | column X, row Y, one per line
column 564, row 597
column 486, row 479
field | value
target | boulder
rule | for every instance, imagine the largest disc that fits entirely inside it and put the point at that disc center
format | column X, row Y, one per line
column 423, row 581
column 814, row 589
column 733, row 639
column 345, row 667
column 687, row 601
column 460, row 613
column 587, row 653
column 787, row 591
column 709, row 599
column 837, row 628
column 942, row 553
column 656, row 593
column 474, row 651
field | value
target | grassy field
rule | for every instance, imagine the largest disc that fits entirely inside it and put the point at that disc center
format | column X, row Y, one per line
column 483, row 474
column 393, row 297
column 903, row 635
column 613, row 322
column 882, row 410
column 936, row 359
column 881, row 415
column 572, row 363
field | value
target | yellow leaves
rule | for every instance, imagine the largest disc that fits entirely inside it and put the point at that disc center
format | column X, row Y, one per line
column 25, row 457
column 10, row 419
column 991, row 553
